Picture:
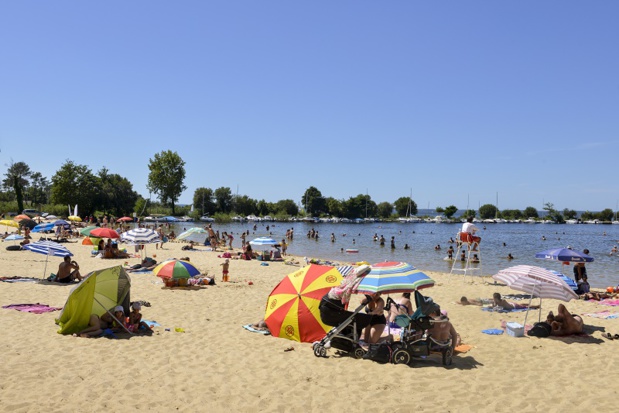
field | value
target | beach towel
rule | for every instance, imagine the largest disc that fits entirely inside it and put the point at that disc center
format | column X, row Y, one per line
column 15, row 279
column 614, row 303
column 151, row 323
column 462, row 348
column 605, row 315
column 248, row 327
column 32, row 308
column 493, row 331
column 502, row 310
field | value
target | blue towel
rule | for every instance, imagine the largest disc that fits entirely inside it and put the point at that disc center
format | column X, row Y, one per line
column 493, row 331
column 151, row 323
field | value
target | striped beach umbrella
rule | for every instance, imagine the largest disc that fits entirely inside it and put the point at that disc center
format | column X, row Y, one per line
column 394, row 277
column 292, row 307
column 176, row 269
column 263, row 242
column 140, row 236
column 537, row 281
column 48, row 248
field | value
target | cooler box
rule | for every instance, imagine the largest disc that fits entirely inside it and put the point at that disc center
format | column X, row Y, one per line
column 515, row 329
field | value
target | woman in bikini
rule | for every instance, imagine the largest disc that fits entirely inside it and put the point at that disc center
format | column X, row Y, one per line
column 375, row 307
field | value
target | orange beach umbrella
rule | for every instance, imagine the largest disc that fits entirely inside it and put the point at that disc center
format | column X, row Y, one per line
column 292, row 308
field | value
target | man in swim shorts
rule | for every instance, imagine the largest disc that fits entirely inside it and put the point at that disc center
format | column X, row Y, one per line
column 68, row 271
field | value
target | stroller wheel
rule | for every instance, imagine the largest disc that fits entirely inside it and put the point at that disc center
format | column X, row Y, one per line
column 358, row 352
column 319, row 350
column 401, row 356
column 447, row 357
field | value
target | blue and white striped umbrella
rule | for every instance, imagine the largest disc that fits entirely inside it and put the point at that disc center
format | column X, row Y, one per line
column 263, row 242
column 393, row 277
column 44, row 227
column 14, row 237
column 48, row 248
column 140, row 236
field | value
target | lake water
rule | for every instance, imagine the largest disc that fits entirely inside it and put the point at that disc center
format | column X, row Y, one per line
column 522, row 241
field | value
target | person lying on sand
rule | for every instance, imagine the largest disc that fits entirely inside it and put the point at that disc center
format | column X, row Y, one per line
column 495, row 301
column 260, row 325
column 147, row 264
column 564, row 323
column 97, row 324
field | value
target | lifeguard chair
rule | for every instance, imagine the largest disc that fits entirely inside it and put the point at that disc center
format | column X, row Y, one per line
column 469, row 266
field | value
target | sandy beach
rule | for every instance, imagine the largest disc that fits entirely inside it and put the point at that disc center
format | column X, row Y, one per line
column 216, row 365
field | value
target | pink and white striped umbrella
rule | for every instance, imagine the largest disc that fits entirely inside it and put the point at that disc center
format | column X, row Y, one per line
column 536, row 281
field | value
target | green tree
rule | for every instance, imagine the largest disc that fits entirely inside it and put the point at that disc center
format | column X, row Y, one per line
column 360, row 206
column 450, row 211
column 605, row 215
column 487, row 211
column 223, row 200
column 166, row 177
column 553, row 214
column 75, row 184
column 587, row 216
column 244, row 205
column 39, row 189
column 288, row 207
column 530, row 212
column 384, row 210
column 405, row 206
column 262, row 207
column 119, row 196
column 569, row 214
column 511, row 214
column 335, row 207
column 204, row 200
column 16, row 178
column 313, row 202
column 469, row 213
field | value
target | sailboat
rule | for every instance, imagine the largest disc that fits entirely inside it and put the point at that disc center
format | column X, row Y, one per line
column 496, row 215
column 615, row 220
column 408, row 218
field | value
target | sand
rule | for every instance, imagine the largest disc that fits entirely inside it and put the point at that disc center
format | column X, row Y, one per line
column 216, row 365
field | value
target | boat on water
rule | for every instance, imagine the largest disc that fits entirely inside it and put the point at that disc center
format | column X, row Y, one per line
column 571, row 221
column 206, row 218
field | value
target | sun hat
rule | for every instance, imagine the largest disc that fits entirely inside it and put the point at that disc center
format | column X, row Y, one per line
column 119, row 308
column 136, row 306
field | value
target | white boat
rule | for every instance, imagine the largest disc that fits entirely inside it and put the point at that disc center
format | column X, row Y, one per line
column 186, row 219
column 206, row 218
column 571, row 221
column 615, row 222
column 529, row 221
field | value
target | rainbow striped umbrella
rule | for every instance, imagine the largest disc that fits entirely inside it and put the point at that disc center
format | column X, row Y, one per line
column 393, row 277
column 176, row 269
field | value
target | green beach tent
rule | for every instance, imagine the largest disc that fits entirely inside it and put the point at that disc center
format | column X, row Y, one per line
column 99, row 292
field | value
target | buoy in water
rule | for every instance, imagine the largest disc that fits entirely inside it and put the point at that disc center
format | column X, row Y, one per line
column 352, row 250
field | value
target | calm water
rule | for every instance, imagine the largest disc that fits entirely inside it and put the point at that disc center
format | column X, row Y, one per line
column 522, row 241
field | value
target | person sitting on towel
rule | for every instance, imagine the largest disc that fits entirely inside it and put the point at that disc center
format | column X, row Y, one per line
column 68, row 271
column 442, row 329
column 564, row 323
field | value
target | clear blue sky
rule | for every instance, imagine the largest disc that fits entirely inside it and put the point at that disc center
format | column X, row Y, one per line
column 456, row 100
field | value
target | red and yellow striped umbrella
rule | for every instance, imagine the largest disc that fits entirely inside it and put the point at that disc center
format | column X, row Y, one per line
column 292, row 308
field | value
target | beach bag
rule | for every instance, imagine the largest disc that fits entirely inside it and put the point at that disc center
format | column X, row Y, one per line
column 380, row 353
column 542, row 329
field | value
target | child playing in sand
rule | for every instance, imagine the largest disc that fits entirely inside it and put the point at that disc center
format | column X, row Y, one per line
column 135, row 319
column 224, row 269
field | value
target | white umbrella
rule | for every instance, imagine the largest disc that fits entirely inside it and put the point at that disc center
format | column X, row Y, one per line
column 536, row 281
column 140, row 236
column 49, row 248
column 193, row 233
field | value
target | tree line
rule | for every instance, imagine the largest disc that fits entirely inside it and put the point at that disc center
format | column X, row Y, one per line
column 108, row 193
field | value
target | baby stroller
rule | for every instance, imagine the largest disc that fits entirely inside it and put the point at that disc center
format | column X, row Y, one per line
column 347, row 326
column 414, row 341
